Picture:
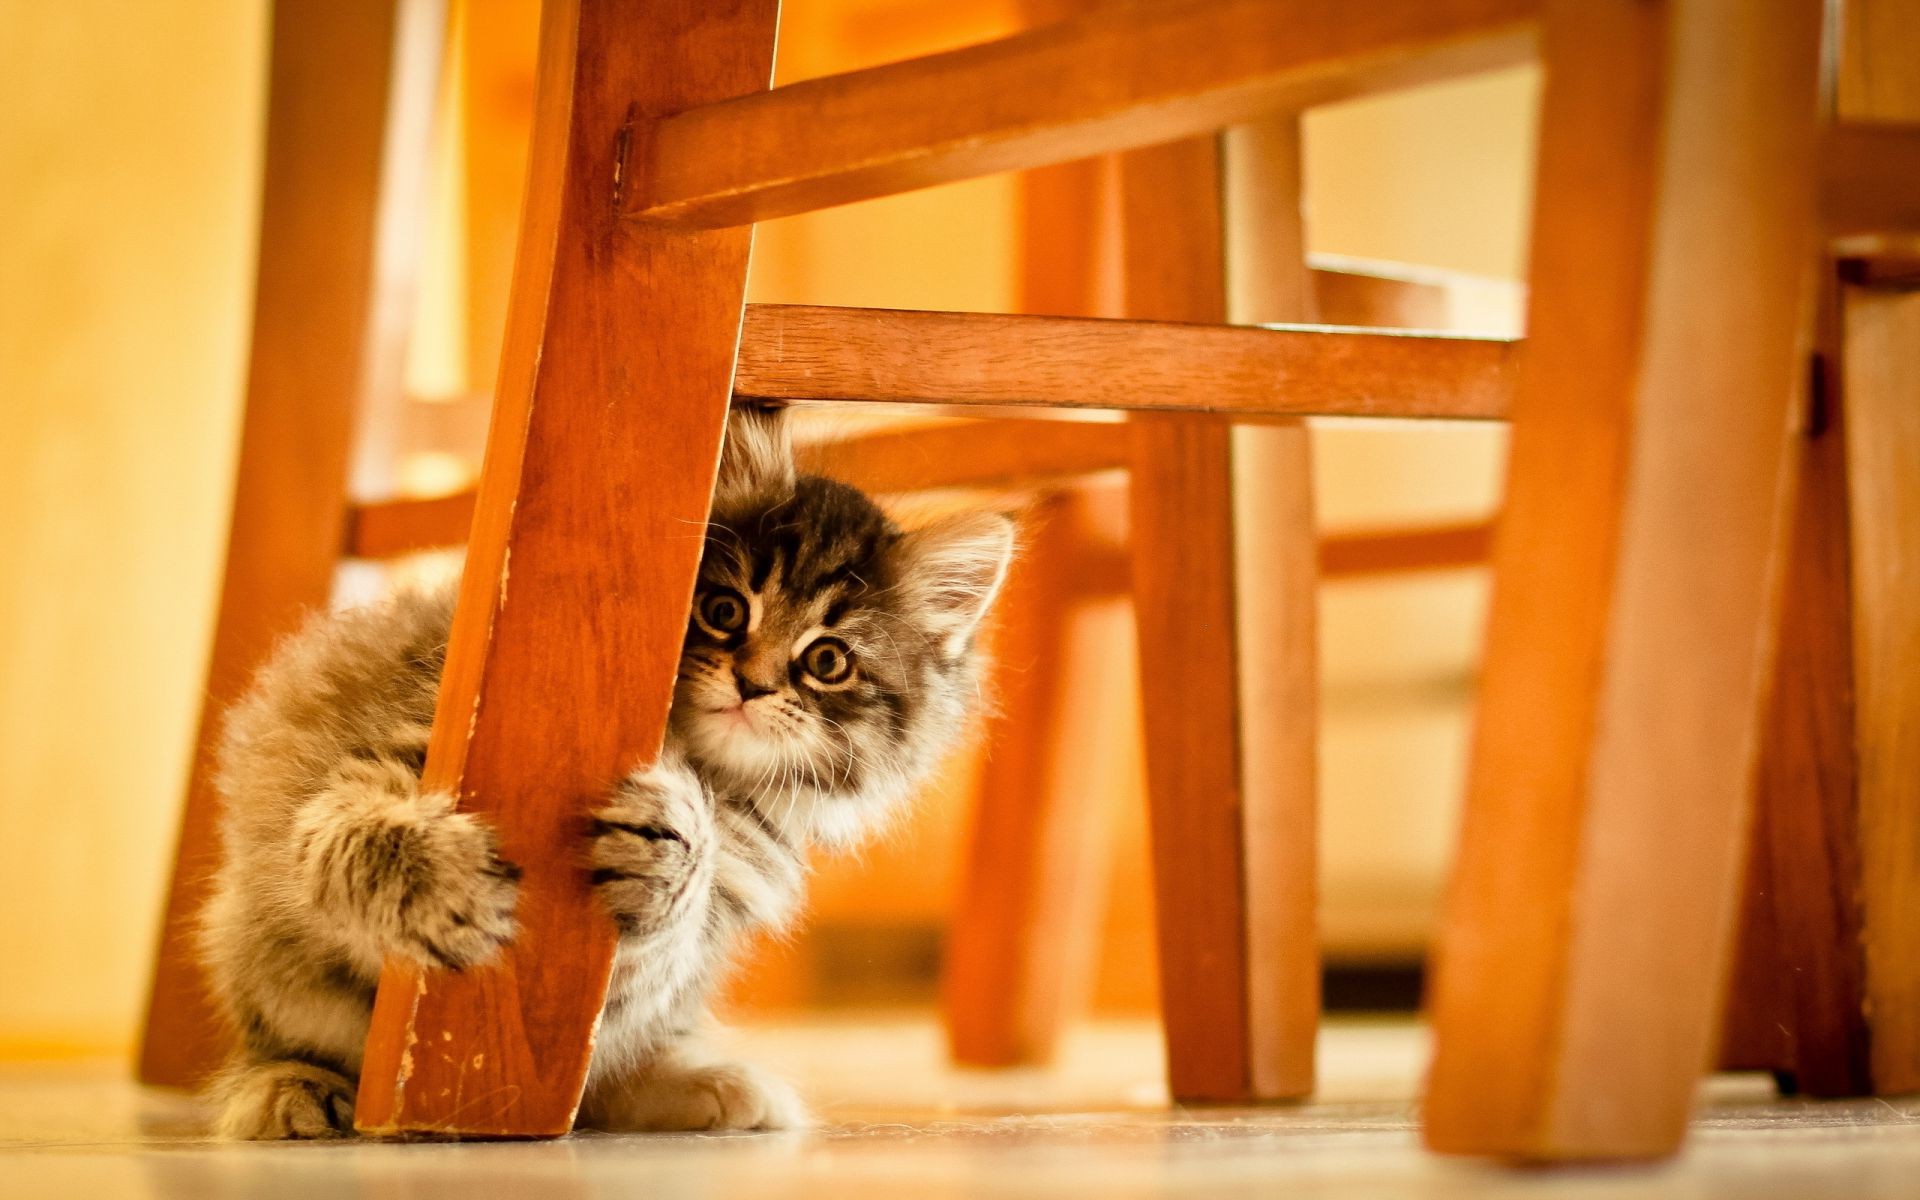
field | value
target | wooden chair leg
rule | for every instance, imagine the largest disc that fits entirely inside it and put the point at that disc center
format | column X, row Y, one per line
column 1582, row 958
column 337, row 72
column 1224, row 568
column 1026, row 926
column 1796, row 1000
column 1025, row 929
column 1829, row 994
column 613, row 393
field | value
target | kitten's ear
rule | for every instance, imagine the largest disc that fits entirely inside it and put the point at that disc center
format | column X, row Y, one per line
column 756, row 460
column 954, row 570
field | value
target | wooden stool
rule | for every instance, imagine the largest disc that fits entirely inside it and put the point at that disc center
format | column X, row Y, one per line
column 1632, row 568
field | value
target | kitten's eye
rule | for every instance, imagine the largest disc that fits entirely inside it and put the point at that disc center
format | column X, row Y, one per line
column 724, row 612
column 828, row 659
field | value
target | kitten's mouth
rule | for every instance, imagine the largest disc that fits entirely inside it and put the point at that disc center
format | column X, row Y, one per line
column 735, row 717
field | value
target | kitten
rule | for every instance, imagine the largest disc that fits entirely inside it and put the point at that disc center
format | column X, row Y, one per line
column 829, row 662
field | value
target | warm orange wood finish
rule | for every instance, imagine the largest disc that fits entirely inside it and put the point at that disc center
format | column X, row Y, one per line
column 1235, row 972
column 1121, row 76
column 1362, row 552
column 798, row 352
column 1830, row 992
column 971, row 454
column 1872, row 173
column 1380, row 301
column 1881, row 375
column 613, row 392
column 1880, row 395
column 1803, row 893
column 1585, row 938
column 1020, row 943
column 497, row 38
column 315, row 350
column 1023, row 933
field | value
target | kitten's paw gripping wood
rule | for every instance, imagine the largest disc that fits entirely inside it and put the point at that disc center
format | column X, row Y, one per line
column 285, row 1101
column 417, row 878
column 651, row 847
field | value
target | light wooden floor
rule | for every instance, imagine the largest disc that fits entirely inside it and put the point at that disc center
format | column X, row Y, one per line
column 899, row 1123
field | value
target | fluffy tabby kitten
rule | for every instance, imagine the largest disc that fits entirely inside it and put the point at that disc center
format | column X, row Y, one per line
column 828, row 663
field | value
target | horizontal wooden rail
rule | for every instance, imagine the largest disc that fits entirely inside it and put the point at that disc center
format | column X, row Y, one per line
column 391, row 528
column 1120, row 77
column 1391, row 551
column 1345, row 555
column 1872, row 179
column 971, row 454
column 793, row 352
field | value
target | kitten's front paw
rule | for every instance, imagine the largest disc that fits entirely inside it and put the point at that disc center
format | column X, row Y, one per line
column 286, row 1101
column 456, row 909
column 646, row 843
column 718, row 1096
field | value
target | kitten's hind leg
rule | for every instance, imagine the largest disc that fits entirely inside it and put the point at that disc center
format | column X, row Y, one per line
column 282, row 1100
column 677, row 1090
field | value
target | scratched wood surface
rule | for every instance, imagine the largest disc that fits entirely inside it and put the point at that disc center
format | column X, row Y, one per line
column 613, row 393
column 318, row 349
column 1584, row 944
column 1120, row 77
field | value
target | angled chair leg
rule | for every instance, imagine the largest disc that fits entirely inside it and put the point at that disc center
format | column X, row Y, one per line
column 1584, row 947
column 1025, row 930
column 1828, row 994
column 613, row 393
column 1224, row 570
column 339, row 70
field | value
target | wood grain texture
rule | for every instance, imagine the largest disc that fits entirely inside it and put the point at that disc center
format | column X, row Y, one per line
column 1585, row 937
column 333, row 68
column 1119, row 77
column 613, row 393
column 799, row 352
column 1231, row 812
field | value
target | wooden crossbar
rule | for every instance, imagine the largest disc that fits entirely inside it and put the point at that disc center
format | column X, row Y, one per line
column 1118, row 78
column 1871, row 183
column 971, row 454
column 797, row 352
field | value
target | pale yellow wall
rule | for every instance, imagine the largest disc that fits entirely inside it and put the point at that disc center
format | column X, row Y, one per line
column 128, row 160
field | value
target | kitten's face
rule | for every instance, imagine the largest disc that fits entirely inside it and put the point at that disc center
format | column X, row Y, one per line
column 829, row 656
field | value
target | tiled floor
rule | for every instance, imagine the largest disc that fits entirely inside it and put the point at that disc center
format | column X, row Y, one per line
column 897, row 1122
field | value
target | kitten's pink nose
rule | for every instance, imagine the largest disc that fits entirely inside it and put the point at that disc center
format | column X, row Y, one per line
column 749, row 689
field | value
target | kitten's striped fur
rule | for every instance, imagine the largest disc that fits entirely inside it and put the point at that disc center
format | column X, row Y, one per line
column 334, row 859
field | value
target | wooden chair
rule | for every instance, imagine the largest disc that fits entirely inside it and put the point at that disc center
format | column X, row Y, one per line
column 1581, row 967
column 344, row 185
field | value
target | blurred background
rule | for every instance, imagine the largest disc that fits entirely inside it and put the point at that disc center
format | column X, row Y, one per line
column 130, row 149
